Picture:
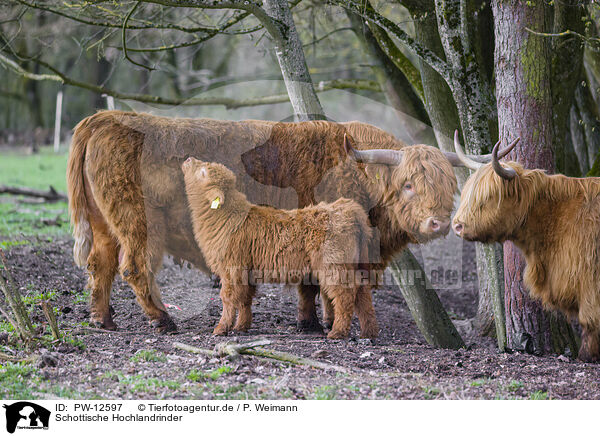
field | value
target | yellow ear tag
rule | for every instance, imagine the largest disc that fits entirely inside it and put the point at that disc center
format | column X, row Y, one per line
column 215, row 203
column 377, row 175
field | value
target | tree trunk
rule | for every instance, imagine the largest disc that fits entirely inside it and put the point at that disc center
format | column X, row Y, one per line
column 474, row 101
column 566, row 72
column 525, row 110
column 424, row 304
column 397, row 89
column 291, row 59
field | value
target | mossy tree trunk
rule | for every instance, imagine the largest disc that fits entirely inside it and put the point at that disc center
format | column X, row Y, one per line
column 524, row 101
column 290, row 55
column 476, row 112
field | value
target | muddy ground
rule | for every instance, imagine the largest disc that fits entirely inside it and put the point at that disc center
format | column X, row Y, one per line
column 136, row 363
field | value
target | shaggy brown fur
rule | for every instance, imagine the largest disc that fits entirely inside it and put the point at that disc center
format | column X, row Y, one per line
column 555, row 221
column 240, row 241
column 128, row 206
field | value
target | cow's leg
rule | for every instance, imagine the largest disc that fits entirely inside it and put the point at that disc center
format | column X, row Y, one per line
column 228, row 298
column 328, row 312
column 589, row 351
column 366, row 313
column 343, row 299
column 244, row 306
column 102, row 267
column 307, row 310
column 138, row 253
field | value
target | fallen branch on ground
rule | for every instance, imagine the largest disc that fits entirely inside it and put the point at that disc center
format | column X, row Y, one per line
column 8, row 358
column 50, row 195
column 234, row 350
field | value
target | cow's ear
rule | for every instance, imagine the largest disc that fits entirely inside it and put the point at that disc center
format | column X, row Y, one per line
column 216, row 198
column 378, row 173
column 201, row 173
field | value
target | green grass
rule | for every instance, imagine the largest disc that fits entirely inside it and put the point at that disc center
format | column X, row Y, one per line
column 197, row 375
column 479, row 382
column 538, row 395
column 37, row 171
column 148, row 356
column 515, row 385
column 325, row 392
column 140, row 383
column 17, row 380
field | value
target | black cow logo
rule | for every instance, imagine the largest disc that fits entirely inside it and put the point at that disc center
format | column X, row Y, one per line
column 26, row 415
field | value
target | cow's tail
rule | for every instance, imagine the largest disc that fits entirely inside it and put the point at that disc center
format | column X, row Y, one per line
column 78, row 207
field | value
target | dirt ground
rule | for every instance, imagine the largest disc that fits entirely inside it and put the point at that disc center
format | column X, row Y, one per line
column 136, row 363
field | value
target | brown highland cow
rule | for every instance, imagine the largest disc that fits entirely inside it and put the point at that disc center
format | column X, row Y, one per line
column 128, row 206
column 241, row 241
column 554, row 220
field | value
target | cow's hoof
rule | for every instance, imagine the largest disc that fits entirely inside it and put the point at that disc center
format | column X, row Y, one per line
column 219, row 331
column 106, row 323
column 164, row 324
column 585, row 356
column 328, row 325
column 336, row 335
column 309, row 325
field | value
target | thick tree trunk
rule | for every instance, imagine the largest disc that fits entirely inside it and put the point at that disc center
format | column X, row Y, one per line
column 291, row 59
column 475, row 109
column 525, row 110
column 424, row 304
column 566, row 72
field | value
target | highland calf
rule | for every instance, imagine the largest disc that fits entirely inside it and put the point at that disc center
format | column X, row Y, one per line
column 555, row 221
column 240, row 241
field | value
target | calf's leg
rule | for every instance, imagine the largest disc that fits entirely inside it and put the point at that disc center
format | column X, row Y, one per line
column 244, row 296
column 366, row 313
column 343, row 299
column 307, row 310
column 228, row 315
column 328, row 312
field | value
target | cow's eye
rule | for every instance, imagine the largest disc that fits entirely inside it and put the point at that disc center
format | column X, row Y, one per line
column 408, row 186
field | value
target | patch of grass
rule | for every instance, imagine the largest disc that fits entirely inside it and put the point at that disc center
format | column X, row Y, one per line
column 514, row 385
column 479, row 382
column 538, row 395
column 38, row 171
column 76, row 342
column 431, row 392
column 17, row 380
column 148, row 356
column 197, row 375
column 139, row 383
column 6, row 245
column 325, row 392
column 5, row 326
column 32, row 300
column 82, row 297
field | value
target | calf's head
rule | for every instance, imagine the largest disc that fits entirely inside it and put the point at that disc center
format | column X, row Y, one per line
column 208, row 183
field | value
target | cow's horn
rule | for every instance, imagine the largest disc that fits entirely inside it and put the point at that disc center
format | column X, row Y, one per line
column 462, row 157
column 376, row 156
column 456, row 161
column 505, row 173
